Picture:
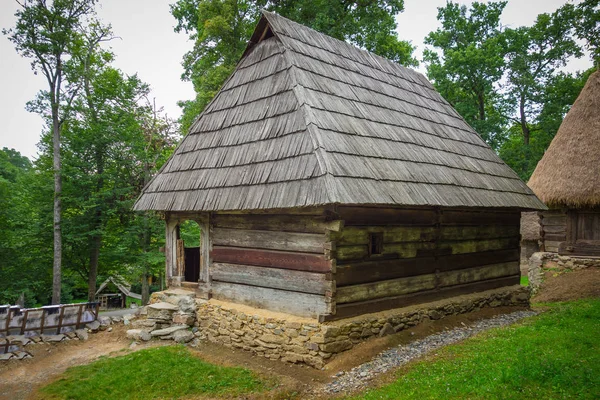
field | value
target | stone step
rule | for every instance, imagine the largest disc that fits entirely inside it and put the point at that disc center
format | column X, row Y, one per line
column 168, row 331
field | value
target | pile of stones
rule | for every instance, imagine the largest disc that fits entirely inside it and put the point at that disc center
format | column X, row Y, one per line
column 171, row 315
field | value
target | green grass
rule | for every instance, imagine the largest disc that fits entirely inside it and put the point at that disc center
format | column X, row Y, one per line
column 551, row 356
column 130, row 300
column 524, row 281
column 164, row 372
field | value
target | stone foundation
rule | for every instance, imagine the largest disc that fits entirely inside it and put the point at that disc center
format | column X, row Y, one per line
column 292, row 339
column 543, row 261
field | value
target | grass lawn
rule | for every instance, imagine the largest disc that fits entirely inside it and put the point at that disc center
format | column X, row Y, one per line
column 524, row 281
column 550, row 356
column 163, row 372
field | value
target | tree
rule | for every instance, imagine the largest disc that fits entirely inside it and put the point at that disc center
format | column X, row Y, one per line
column 467, row 62
column 47, row 35
column 587, row 26
column 534, row 55
column 220, row 30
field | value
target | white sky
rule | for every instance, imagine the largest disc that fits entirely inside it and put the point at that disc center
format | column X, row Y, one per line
column 150, row 47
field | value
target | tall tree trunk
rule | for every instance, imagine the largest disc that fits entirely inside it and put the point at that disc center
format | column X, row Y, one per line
column 481, row 106
column 524, row 125
column 93, row 273
column 57, row 262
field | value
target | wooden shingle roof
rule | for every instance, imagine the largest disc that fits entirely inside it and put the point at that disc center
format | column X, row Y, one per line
column 308, row 120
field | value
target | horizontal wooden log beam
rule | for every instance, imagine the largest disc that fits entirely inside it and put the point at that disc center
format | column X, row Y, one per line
column 555, row 229
column 372, row 306
column 475, row 246
column 556, row 237
column 356, row 216
column 282, row 223
column 481, row 273
column 391, row 234
column 298, row 281
column 377, row 270
column 272, row 258
column 480, row 218
column 300, row 304
column 257, row 239
column 554, row 221
column 392, row 287
column 582, row 248
column 478, row 232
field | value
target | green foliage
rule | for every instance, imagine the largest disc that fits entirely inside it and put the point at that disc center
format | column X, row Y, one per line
column 554, row 355
column 220, row 30
column 466, row 62
column 158, row 373
column 559, row 94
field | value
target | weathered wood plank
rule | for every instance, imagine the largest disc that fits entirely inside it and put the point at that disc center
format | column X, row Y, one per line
column 555, row 237
column 301, row 304
column 485, row 272
column 555, row 229
column 480, row 218
column 475, row 246
column 551, row 245
column 377, row 270
column 283, row 223
column 360, row 308
column 582, row 248
column 478, row 232
column 358, row 252
column 271, row 258
column 354, row 216
column 353, row 235
column 555, row 220
column 286, row 241
column 392, row 287
column 298, row 281
column 397, row 250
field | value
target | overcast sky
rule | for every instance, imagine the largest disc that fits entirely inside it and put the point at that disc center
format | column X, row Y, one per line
column 149, row 47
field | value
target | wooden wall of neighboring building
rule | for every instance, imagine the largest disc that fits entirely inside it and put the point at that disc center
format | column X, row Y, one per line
column 427, row 254
column 554, row 229
column 281, row 262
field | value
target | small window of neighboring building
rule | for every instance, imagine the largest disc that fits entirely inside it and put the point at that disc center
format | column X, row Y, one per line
column 375, row 243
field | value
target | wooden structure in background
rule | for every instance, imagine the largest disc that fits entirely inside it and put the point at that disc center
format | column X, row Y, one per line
column 567, row 178
column 115, row 300
column 330, row 182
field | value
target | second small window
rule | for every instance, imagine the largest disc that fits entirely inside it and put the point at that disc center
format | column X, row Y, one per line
column 375, row 243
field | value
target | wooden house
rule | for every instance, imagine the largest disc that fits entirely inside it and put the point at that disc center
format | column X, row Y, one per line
column 567, row 179
column 330, row 182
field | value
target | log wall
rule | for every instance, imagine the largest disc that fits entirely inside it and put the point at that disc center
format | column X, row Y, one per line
column 427, row 254
column 278, row 261
column 554, row 229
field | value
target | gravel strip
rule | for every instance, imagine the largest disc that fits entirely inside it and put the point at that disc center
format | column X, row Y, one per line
column 358, row 377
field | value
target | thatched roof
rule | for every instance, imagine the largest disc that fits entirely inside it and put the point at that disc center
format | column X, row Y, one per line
column 569, row 173
column 307, row 120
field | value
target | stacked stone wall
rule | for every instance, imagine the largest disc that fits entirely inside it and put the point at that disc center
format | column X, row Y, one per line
column 284, row 337
column 548, row 261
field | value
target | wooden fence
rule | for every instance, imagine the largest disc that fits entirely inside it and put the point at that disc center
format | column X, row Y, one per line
column 45, row 320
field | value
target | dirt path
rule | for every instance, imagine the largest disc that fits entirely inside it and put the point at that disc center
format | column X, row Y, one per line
column 569, row 285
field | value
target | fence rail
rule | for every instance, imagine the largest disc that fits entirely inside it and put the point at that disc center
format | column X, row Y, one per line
column 44, row 320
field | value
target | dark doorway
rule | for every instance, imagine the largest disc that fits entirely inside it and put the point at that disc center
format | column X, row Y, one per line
column 192, row 264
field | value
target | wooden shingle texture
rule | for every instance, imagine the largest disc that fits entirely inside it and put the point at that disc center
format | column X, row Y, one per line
column 309, row 120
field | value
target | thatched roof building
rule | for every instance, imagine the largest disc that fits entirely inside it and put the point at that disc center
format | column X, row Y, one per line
column 569, row 173
column 567, row 178
column 330, row 182
column 309, row 120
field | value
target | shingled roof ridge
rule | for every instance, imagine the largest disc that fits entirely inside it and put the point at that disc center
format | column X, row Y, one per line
column 417, row 77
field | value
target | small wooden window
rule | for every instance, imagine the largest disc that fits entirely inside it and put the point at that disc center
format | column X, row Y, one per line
column 375, row 243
